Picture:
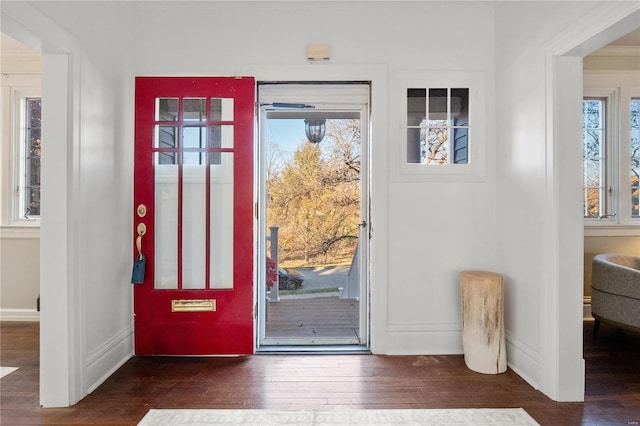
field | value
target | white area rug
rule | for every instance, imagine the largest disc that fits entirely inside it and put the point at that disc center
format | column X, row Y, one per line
column 7, row 370
column 476, row 417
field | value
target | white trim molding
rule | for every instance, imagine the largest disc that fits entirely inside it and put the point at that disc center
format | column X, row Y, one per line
column 20, row 232
column 522, row 358
column 421, row 338
column 114, row 352
column 30, row 315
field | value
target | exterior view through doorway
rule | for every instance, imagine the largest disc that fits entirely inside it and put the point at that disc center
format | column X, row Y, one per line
column 313, row 216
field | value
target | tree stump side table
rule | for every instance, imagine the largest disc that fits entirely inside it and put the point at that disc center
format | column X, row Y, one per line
column 483, row 340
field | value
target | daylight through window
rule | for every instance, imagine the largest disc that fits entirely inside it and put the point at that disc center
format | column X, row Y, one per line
column 32, row 143
column 438, row 125
column 635, row 157
column 593, row 139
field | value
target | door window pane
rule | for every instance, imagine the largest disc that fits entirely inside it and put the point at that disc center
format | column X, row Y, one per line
column 165, row 158
column 221, row 220
column 166, row 109
column 165, row 137
column 194, row 109
column 166, row 225
column 194, row 138
column 221, row 136
column 194, row 230
column 221, row 109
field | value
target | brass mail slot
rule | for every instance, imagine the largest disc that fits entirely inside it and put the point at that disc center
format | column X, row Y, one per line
column 201, row 305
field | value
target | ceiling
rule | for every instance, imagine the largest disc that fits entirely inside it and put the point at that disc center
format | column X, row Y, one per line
column 9, row 45
column 631, row 39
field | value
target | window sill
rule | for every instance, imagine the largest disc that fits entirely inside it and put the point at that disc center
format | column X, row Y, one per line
column 20, row 231
column 612, row 230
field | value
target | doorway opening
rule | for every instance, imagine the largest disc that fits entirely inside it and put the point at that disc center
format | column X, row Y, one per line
column 313, row 218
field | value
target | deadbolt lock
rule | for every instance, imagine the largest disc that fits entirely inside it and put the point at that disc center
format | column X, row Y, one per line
column 141, row 210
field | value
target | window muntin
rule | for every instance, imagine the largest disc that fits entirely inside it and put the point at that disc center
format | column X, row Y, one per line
column 634, row 139
column 594, row 157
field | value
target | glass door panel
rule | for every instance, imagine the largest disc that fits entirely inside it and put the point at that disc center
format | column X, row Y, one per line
column 194, row 230
column 166, row 220
column 221, row 221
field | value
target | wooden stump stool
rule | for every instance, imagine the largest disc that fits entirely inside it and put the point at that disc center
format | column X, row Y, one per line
column 483, row 340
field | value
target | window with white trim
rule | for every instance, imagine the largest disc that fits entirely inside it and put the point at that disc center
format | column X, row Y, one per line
column 594, row 158
column 442, row 118
column 611, row 157
column 634, row 132
column 31, row 145
column 22, row 143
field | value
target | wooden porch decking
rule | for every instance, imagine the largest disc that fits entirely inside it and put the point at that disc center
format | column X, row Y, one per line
column 315, row 320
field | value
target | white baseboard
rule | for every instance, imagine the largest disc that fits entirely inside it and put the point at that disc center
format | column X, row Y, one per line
column 106, row 359
column 523, row 358
column 31, row 315
column 423, row 338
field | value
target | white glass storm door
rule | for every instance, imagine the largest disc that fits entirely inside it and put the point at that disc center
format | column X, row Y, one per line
column 313, row 284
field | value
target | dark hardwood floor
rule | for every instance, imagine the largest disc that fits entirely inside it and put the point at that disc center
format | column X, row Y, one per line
column 321, row 382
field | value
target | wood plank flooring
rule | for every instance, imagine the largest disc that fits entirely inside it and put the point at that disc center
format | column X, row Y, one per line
column 320, row 382
column 326, row 320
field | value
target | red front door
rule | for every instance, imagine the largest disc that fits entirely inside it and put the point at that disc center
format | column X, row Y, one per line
column 193, row 219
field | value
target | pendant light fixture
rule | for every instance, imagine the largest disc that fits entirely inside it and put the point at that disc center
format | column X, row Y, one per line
column 314, row 129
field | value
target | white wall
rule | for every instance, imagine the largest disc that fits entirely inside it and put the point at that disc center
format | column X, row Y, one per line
column 19, row 274
column 430, row 236
column 19, row 239
column 539, row 197
column 415, row 296
column 86, row 245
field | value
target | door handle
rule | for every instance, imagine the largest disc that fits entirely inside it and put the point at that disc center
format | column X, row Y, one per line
column 139, row 265
column 363, row 224
column 141, row 229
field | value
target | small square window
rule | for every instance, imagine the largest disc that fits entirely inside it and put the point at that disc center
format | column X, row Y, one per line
column 439, row 140
column 443, row 137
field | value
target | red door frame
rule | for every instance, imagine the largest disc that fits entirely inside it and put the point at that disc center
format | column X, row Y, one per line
column 230, row 328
